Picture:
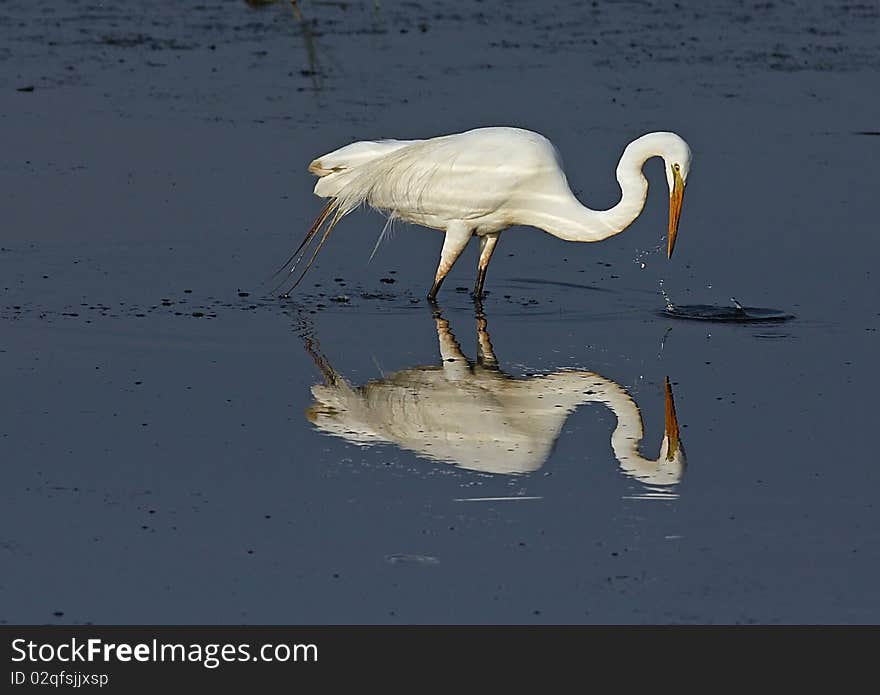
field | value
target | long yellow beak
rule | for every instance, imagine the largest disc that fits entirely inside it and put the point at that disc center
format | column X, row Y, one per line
column 674, row 209
column 671, row 425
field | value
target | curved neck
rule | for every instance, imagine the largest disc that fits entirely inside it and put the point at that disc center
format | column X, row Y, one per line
column 627, row 436
column 629, row 431
column 563, row 216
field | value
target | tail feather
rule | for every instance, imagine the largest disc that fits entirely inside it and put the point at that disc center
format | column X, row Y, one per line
column 355, row 154
column 316, row 225
column 327, row 231
column 335, row 209
column 296, row 257
column 347, row 177
column 389, row 225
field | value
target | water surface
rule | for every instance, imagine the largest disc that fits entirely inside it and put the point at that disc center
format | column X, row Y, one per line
column 171, row 447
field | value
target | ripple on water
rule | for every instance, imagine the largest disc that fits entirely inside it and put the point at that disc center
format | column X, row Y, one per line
column 726, row 314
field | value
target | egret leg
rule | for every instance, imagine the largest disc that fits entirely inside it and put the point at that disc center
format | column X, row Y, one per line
column 487, row 248
column 457, row 236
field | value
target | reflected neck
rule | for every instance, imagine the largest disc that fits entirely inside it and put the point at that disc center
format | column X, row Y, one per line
column 627, row 436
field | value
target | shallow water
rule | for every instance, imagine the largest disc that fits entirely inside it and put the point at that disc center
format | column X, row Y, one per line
column 163, row 447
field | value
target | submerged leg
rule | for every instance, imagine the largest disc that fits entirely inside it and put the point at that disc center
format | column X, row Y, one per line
column 457, row 236
column 487, row 248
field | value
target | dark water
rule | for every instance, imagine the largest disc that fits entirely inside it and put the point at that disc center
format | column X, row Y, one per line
column 178, row 446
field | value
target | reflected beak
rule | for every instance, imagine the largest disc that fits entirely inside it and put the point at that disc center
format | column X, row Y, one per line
column 671, row 425
column 674, row 210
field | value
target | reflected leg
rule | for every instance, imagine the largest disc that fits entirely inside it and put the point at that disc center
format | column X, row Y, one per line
column 485, row 353
column 455, row 365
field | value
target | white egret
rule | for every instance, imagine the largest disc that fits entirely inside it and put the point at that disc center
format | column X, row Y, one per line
column 477, row 417
column 479, row 183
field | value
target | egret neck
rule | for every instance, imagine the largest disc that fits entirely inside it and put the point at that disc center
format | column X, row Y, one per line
column 561, row 214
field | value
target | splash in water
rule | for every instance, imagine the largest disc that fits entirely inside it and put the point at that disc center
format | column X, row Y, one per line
column 641, row 256
column 720, row 314
column 670, row 307
column 709, row 312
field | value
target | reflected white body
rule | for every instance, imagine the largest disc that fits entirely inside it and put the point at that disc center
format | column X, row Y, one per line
column 477, row 417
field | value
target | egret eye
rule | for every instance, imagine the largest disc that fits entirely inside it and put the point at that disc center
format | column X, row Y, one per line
column 676, row 166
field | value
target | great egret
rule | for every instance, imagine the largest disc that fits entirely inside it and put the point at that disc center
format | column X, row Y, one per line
column 477, row 417
column 481, row 182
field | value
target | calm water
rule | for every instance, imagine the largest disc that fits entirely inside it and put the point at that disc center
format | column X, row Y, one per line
column 178, row 446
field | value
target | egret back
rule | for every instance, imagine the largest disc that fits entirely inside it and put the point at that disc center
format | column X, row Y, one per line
column 481, row 176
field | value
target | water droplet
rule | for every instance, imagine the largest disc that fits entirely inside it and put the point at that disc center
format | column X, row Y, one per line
column 669, row 305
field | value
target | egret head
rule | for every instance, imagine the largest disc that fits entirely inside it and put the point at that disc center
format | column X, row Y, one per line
column 677, row 162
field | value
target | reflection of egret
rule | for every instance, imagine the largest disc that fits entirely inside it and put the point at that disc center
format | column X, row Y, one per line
column 480, row 183
column 478, row 417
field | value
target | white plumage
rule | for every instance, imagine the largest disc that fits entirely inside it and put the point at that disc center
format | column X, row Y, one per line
column 479, row 183
column 477, row 417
